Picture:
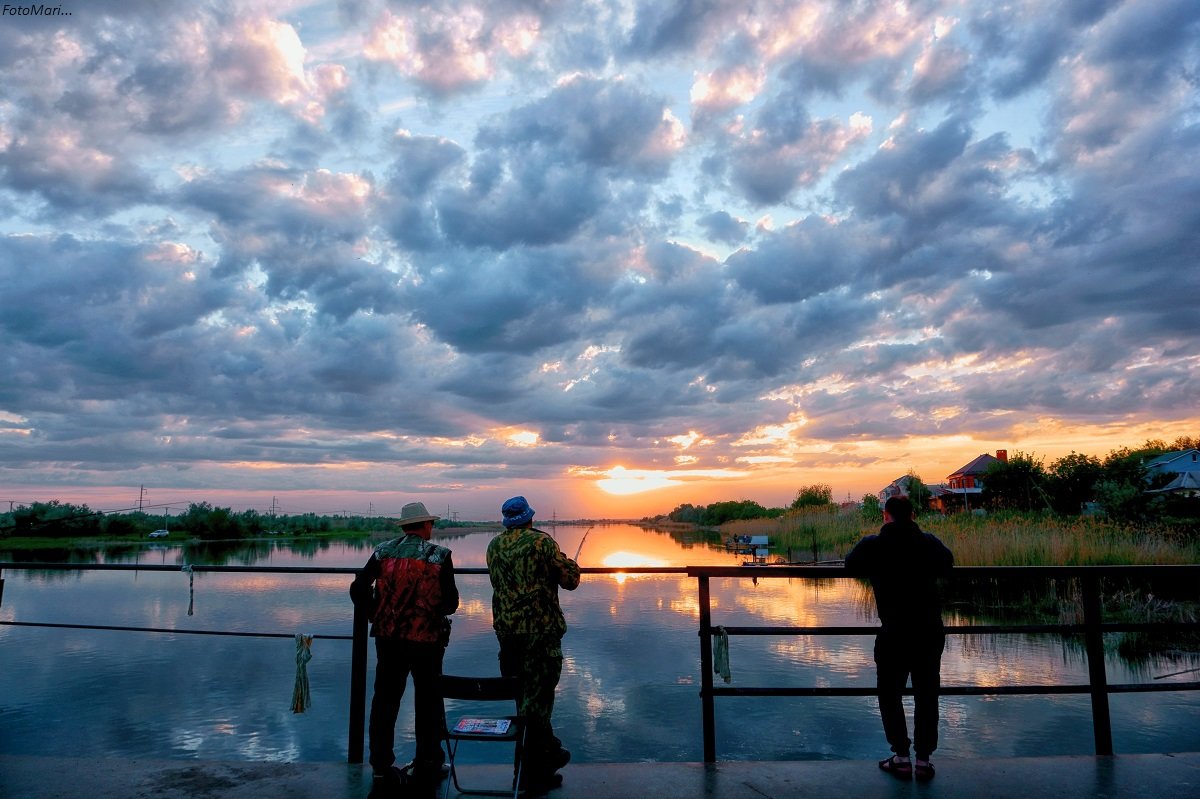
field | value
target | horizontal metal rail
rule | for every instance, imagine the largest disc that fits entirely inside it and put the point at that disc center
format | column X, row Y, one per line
column 1092, row 629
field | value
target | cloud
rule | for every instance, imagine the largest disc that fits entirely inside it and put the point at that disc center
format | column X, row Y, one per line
column 452, row 48
column 722, row 226
column 365, row 244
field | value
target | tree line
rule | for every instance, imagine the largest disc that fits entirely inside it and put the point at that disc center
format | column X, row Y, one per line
column 1118, row 485
column 201, row 520
column 716, row 514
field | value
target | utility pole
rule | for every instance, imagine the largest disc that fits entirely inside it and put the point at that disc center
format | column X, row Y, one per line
column 141, row 497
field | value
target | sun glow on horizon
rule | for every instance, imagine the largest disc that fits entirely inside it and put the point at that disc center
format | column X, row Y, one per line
column 621, row 481
column 624, row 559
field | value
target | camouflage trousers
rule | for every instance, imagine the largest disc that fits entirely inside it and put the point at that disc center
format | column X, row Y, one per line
column 536, row 660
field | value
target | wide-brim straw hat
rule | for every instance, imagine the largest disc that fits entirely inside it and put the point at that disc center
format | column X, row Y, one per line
column 414, row 513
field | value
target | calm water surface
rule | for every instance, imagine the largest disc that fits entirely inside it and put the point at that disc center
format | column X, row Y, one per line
column 631, row 676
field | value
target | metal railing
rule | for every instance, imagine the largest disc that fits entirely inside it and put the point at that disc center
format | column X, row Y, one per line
column 1092, row 629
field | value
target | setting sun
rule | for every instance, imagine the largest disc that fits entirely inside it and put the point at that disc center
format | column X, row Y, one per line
column 622, row 481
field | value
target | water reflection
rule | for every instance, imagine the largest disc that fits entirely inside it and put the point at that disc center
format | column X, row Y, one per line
column 631, row 661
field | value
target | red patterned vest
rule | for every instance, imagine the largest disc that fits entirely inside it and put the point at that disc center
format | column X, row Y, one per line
column 408, row 589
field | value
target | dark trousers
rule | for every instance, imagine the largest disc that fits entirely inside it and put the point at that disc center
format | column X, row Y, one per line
column 897, row 657
column 396, row 660
column 536, row 660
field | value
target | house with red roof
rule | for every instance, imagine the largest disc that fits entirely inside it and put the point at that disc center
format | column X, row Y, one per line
column 964, row 487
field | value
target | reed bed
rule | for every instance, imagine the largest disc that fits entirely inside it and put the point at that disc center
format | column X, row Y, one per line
column 993, row 540
column 817, row 535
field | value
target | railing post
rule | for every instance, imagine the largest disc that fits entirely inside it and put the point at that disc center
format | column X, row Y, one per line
column 706, row 672
column 358, row 687
column 1097, row 676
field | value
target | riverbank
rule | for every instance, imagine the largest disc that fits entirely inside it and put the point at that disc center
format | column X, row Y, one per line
column 102, row 541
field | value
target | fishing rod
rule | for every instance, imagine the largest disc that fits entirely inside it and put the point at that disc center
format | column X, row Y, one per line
column 585, row 535
column 1176, row 673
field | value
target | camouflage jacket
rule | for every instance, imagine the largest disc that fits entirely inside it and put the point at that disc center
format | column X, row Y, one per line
column 527, row 568
column 414, row 589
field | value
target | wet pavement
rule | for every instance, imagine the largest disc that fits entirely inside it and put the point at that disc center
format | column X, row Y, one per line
column 1155, row 776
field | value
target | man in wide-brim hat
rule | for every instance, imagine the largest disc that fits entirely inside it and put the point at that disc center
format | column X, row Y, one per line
column 413, row 592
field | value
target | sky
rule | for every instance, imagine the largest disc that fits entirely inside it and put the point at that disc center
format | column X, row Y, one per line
column 613, row 256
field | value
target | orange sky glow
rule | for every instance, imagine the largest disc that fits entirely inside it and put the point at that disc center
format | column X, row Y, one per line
column 624, row 491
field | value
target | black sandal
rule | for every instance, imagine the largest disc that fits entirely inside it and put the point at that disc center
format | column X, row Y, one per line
column 923, row 771
column 901, row 769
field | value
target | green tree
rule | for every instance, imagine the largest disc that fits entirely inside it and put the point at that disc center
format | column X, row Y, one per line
column 918, row 493
column 871, row 509
column 55, row 519
column 686, row 513
column 1071, row 482
column 1016, row 484
column 720, row 512
column 204, row 521
column 1185, row 442
column 816, row 494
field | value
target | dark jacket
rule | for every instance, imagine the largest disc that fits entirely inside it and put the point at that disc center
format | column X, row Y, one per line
column 903, row 564
column 414, row 589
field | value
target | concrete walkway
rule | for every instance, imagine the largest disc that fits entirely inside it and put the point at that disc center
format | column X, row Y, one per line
column 1166, row 776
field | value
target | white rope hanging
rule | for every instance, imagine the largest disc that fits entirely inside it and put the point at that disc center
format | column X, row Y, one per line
column 301, row 698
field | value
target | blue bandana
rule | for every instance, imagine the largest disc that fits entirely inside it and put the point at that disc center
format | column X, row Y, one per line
column 516, row 512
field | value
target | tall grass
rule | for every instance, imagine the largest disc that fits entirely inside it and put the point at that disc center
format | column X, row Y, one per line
column 999, row 539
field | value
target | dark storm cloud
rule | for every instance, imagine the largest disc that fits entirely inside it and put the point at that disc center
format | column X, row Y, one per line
column 800, row 261
column 547, row 168
column 606, row 124
column 304, row 230
column 723, row 227
column 666, row 27
column 521, row 301
column 786, row 150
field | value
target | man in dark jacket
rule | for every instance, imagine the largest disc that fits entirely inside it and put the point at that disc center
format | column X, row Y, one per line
column 903, row 564
column 527, row 568
column 414, row 592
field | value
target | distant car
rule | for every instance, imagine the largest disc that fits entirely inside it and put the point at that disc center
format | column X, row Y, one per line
column 160, row 534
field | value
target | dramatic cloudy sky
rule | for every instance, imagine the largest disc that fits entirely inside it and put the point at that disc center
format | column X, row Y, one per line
column 350, row 253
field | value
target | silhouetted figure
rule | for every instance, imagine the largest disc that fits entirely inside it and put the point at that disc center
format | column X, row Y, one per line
column 414, row 592
column 527, row 568
column 903, row 564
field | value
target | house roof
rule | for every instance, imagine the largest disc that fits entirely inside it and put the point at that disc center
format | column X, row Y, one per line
column 978, row 466
column 1184, row 481
column 1167, row 458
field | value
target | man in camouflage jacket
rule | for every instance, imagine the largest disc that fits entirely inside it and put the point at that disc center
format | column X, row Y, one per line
column 527, row 568
column 414, row 592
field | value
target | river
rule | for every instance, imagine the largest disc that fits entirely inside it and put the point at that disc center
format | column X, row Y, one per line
column 631, row 675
